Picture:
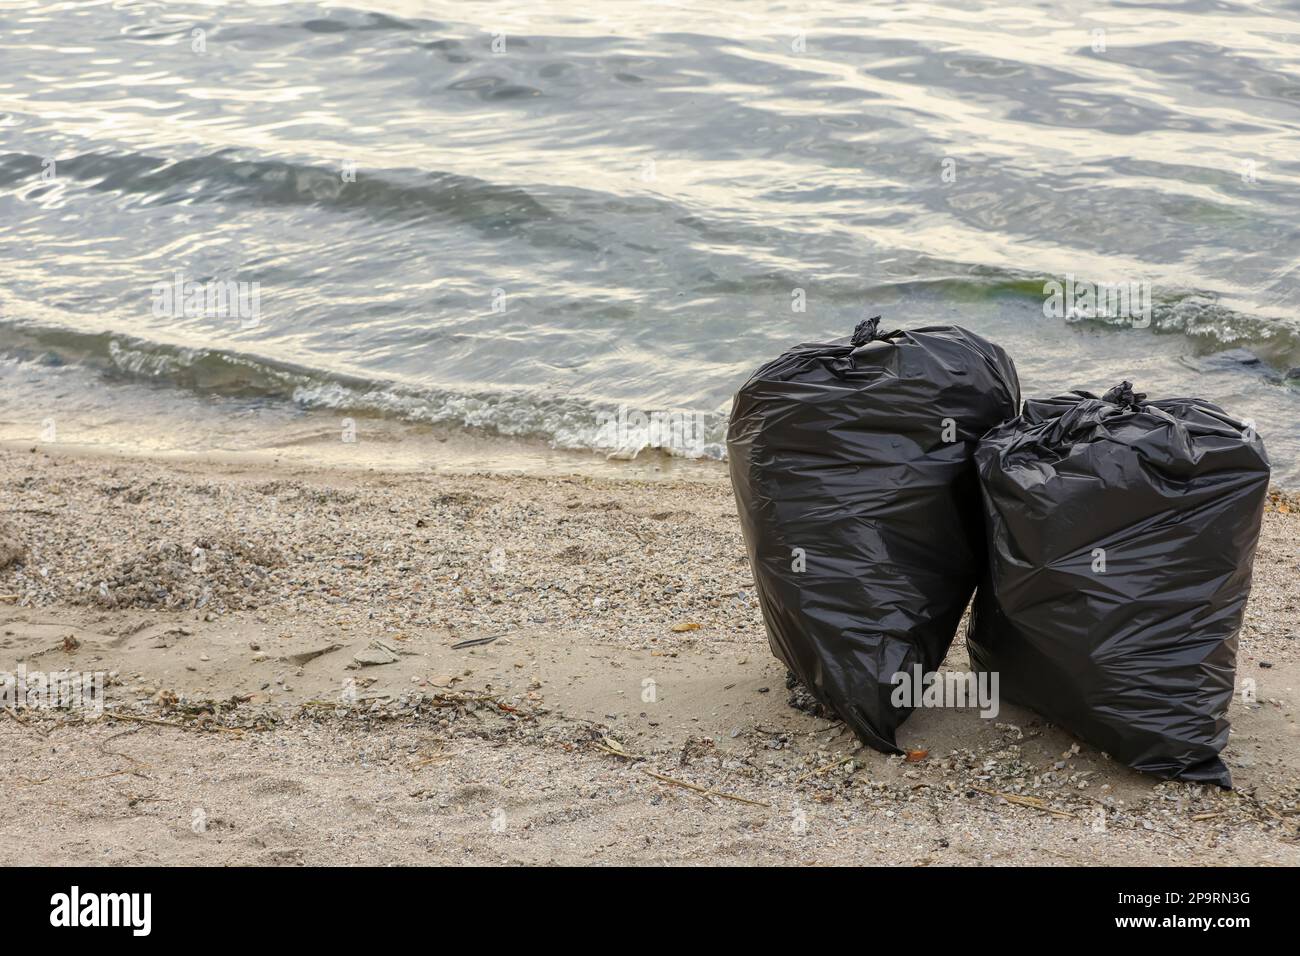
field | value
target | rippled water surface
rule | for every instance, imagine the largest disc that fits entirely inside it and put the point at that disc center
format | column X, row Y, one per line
column 517, row 217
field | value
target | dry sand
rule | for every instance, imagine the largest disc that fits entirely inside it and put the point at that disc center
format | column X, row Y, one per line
column 230, row 600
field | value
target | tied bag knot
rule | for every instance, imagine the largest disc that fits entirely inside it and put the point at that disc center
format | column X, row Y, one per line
column 865, row 331
column 1124, row 396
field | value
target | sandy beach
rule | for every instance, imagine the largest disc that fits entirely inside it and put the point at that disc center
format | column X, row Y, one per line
column 309, row 663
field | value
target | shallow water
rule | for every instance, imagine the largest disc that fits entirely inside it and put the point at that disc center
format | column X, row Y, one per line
column 518, row 219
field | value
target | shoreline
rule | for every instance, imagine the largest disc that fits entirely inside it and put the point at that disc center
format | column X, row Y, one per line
column 312, row 441
column 316, row 578
column 90, row 416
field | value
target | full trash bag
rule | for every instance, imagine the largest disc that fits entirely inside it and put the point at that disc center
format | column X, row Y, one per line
column 1121, row 534
column 851, row 464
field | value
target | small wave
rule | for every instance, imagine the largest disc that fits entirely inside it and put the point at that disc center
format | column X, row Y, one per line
column 223, row 176
column 342, row 21
column 561, row 421
column 1213, row 327
column 1199, row 316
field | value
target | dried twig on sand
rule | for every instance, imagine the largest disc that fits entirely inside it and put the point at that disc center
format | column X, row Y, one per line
column 102, row 747
column 707, row 791
column 19, row 720
column 475, row 642
column 66, row 780
column 167, row 723
column 821, row 770
column 1032, row 803
column 612, row 746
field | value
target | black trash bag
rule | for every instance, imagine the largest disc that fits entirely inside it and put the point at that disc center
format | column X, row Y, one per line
column 1121, row 534
column 851, row 464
